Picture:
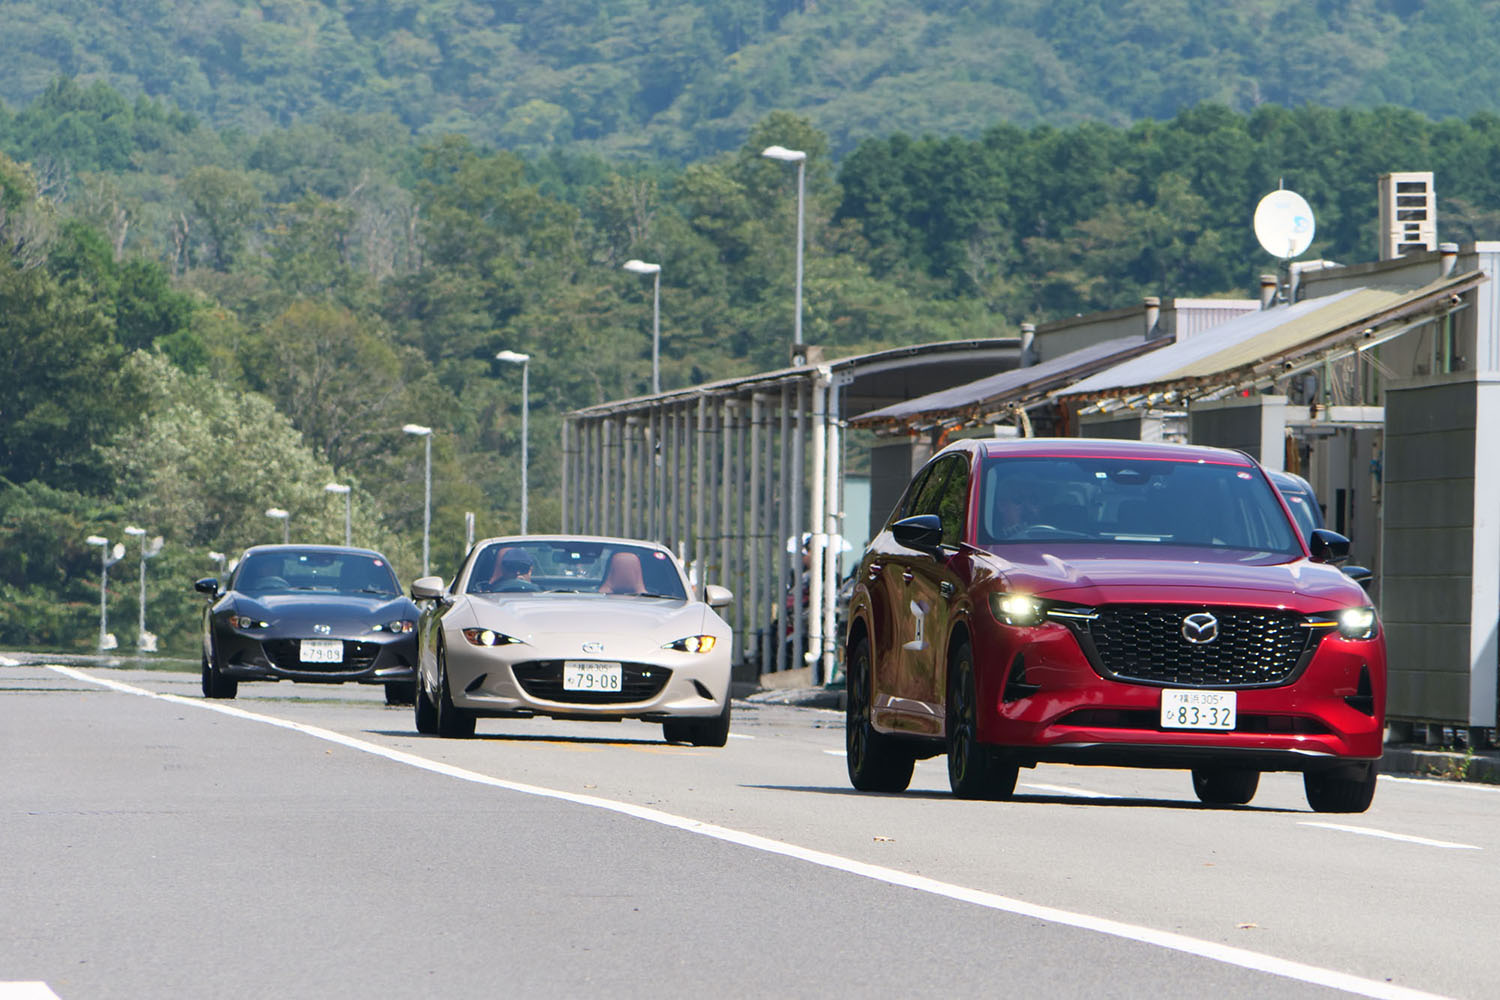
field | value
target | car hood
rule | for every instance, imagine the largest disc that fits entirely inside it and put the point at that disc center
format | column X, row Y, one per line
column 1186, row 575
column 590, row 616
column 311, row 608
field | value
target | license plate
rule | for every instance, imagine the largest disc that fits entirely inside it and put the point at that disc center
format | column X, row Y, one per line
column 585, row 675
column 1197, row 709
column 322, row 651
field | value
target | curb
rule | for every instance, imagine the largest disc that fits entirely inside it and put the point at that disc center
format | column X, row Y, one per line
column 1443, row 765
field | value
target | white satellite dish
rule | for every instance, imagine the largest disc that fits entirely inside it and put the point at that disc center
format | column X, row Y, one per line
column 1284, row 224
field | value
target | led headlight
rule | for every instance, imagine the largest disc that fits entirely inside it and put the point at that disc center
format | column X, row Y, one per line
column 1357, row 623
column 693, row 644
column 400, row 627
column 488, row 637
column 244, row 623
column 1016, row 609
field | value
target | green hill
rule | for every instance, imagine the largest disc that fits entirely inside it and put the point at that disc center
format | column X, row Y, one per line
column 684, row 78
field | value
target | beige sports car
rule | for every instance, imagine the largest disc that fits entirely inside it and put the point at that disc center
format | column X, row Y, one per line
column 572, row 627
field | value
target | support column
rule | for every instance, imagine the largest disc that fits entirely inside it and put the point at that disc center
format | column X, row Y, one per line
column 819, row 540
column 783, row 532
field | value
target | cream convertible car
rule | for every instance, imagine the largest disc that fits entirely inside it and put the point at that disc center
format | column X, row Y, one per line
column 576, row 628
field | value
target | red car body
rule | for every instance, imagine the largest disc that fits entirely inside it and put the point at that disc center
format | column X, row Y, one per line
column 1103, row 598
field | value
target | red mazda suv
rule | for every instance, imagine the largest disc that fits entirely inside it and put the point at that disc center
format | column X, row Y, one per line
column 1110, row 602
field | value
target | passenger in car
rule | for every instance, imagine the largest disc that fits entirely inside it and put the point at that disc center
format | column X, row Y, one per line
column 624, row 576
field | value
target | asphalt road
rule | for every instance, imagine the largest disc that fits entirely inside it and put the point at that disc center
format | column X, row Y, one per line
column 306, row 842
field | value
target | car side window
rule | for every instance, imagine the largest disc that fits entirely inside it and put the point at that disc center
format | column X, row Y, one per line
column 945, row 492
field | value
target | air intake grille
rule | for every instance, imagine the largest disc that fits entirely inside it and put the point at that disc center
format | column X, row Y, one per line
column 638, row 682
column 1254, row 647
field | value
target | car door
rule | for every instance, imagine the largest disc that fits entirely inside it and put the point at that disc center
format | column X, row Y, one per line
column 932, row 588
column 882, row 578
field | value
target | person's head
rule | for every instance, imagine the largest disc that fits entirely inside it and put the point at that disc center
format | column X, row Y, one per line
column 1018, row 503
column 624, row 575
column 515, row 562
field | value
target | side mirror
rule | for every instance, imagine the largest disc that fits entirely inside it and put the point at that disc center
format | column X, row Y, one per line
column 1360, row 575
column 717, row 597
column 427, row 588
column 207, row 586
column 923, row 532
column 1328, row 546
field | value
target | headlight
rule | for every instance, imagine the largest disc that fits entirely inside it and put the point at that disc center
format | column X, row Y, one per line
column 1016, row 609
column 693, row 644
column 488, row 637
column 400, row 627
column 244, row 623
column 1357, row 623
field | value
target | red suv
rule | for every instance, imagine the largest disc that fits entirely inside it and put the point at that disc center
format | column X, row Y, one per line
column 1110, row 602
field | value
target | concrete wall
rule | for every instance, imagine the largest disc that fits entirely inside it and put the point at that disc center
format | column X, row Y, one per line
column 1256, row 424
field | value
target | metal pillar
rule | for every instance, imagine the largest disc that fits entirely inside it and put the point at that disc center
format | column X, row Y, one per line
column 700, row 495
column 784, row 530
column 798, row 483
column 567, row 458
column 818, row 530
column 834, row 483
column 751, row 600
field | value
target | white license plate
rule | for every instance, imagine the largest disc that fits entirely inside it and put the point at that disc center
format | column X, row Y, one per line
column 1197, row 709
column 585, row 675
column 322, row 650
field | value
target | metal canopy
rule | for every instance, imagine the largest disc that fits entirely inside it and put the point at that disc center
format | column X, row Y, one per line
column 980, row 401
column 1258, row 348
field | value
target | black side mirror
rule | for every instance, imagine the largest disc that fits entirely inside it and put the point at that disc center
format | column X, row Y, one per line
column 1360, row 575
column 1328, row 546
column 208, row 585
column 923, row 532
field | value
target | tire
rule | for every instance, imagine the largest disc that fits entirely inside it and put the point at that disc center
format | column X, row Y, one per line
column 400, row 692
column 677, row 731
column 1342, row 789
column 712, row 732
column 425, row 710
column 1225, row 786
column 875, row 762
column 215, row 684
column 452, row 722
column 975, row 771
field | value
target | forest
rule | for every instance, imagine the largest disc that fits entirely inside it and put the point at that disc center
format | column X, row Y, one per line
column 201, row 320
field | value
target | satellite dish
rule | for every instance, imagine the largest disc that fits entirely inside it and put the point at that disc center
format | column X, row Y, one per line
column 1284, row 224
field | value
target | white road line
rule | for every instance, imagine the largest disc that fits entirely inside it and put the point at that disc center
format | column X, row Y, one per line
column 1228, row 955
column 6, row 661
column 1065, row 790
column 25, row 991
column 837, row 753
column 1387, row 835
column 740, row 736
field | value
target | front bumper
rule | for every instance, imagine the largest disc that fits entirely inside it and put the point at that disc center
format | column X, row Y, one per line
column 369, row 658
column 515, row 680
column 1043, row 701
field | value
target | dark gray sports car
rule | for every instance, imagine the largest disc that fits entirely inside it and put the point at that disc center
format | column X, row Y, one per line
column 316, row 613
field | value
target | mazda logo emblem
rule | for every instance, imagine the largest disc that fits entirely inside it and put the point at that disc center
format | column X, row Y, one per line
column 322, row 629
column 593, row 647
column 1200, row 628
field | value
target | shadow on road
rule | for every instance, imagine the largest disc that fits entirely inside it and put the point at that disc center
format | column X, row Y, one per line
column 1023, row 798
column 530, row 738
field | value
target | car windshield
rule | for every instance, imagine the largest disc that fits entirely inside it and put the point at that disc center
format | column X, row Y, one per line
column 562, row 566
column 313, row 570
column 1133, row 501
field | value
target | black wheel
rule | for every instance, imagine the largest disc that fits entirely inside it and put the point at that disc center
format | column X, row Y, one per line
column 426, row 711
column 215, row 684
column 974, row 770
column 451, row 720
column 875, row 763
column 677, row 731
column 712, row 732
column 1346, row 789
column 400, row 692
column 1225, row 786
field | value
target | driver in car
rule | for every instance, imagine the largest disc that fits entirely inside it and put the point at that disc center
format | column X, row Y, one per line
column 516, row 565
column 1016, row 510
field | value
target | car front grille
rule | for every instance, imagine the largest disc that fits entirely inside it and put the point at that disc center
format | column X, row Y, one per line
column 638, row 682
column 286, row 655
column 1255, row 647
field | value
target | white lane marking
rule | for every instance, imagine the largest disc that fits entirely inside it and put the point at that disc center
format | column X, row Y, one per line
column 740, row 736
column 1387, row 835
column 25, row 991
column 6, row 661
column 1065, row 790
column 837, row 753
column 1226, row 954
column 1468, row 786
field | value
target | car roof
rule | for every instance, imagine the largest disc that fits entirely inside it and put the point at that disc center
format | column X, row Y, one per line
column 349, row 549
column 592, row 539
column 1060, row 447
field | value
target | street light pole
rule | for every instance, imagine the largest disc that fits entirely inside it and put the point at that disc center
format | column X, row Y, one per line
column 285, row 517
column 348, row 508
column 641, row 267
column 107, row 558
column 798, row 157
column 425, row 432
column 144, row 641
column 524, row 360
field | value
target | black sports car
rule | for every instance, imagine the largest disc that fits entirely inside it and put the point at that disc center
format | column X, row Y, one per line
column 318, row 613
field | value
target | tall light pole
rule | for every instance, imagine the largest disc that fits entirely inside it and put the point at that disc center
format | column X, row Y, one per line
column 144, row 641
column 641, row 267
column 285, row 517
column 798, row 157
column 425, row 432
column 524, row 360
column 107, row 558
column 348, row 508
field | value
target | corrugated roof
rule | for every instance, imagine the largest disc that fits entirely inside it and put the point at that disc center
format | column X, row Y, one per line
column 1017, row 385
column 1263, row 344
